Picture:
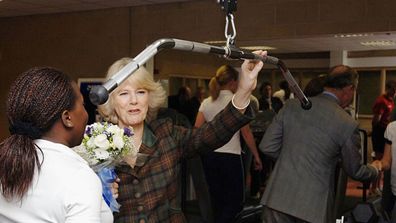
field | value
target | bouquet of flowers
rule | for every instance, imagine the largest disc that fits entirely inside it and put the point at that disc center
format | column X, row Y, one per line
column 105, row 145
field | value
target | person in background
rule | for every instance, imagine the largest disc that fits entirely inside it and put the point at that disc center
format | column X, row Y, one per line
column 307, row 145
column 196, row 102
column 180, row 99
column 268, row 107
column 182, row 103
column 247, row 155
column 223, row 167
column 382, row 109
column 387, row 200
column 267, row 101
column 42, row 179
column 388, row 164
column 149, row 191
column 255, row 103
column 284, row 92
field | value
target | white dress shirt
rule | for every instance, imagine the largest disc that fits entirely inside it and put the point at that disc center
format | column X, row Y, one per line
column 65, row 190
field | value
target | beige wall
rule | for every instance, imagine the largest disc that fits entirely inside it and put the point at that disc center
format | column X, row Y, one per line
column 84, row 44
column 81, row 44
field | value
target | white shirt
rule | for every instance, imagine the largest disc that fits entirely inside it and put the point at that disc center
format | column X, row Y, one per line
column 281, row 95
column 210, row 109
column 390, row 134
column 65, row 190
column 255, row 103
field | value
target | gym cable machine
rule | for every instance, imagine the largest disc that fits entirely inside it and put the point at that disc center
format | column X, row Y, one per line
column 100, row 93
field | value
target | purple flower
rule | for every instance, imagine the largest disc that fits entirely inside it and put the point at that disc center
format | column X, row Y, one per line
column 108, row 134
column 88, row 131
column 127, row 132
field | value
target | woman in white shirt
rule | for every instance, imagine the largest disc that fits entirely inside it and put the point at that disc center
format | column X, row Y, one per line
column 284, row 92
column 387, row 160
column 223, row 167
column 41, row 178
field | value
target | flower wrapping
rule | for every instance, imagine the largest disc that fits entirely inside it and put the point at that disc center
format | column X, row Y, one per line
column 104, row 146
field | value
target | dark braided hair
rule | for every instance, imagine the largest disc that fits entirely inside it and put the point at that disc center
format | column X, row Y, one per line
column 35, row 102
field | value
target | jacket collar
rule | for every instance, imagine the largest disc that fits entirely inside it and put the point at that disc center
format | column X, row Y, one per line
column 147, row 151
column 149, row 139
column 148, row 143
column 330, row 96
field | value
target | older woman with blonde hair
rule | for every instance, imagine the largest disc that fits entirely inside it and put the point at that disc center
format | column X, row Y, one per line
column 142, row 78
column 148, row 190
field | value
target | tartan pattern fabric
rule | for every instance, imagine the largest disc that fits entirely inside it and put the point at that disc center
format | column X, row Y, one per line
column 149, row 193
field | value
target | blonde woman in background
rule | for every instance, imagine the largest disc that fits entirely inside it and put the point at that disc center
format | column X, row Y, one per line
column 223, row 167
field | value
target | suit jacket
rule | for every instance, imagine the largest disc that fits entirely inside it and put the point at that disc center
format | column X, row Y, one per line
column 307, row 145
column 276, row 104
column 149, row 192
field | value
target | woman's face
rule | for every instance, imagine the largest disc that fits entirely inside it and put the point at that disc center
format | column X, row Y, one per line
column 130, row 104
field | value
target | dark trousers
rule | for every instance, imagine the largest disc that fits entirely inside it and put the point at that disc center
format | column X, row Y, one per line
column 387, row 200
column 224, row 175
column 259, row 178
column 273, row 216
column 378, row 140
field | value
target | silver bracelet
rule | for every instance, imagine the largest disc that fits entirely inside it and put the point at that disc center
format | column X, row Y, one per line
column 239, row 108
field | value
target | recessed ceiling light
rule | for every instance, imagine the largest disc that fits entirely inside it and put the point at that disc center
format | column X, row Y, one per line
column 223, row 42
column 258, row 48
column 353, row 35
column 215, row 42
column 379, row 43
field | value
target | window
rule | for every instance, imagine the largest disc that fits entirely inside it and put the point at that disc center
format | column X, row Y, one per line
column 369, row 87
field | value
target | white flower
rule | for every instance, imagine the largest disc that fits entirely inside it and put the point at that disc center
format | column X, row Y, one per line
column 102, row 154
column 118, row 141
column 101, row 141
column 106, row 144
column 115, row 130
column 90, row 143
column 98, row 127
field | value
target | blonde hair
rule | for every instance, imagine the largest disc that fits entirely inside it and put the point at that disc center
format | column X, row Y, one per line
column 144, row 79
column 224, row 75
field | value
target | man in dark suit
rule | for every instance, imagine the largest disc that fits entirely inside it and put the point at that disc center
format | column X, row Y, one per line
column 266, row 101
column 182, row 103
column 307, row 145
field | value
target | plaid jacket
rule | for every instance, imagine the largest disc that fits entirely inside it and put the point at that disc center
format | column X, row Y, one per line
column 149, row 193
